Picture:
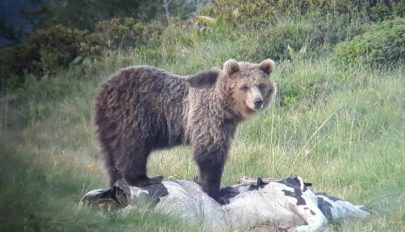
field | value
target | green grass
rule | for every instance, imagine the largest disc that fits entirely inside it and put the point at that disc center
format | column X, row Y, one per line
column 342, row 129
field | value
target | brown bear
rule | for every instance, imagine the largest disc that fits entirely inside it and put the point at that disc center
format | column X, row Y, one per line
column 141, row 109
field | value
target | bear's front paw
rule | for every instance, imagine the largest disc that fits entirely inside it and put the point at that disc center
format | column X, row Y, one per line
column 145, row 181
column 222, row 200
column 225, row 194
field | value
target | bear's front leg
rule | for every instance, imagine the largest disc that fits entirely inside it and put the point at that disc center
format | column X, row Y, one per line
column 211, row 166
column 210, row 178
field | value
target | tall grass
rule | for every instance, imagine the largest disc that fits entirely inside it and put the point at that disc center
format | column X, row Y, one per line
column 342, row 129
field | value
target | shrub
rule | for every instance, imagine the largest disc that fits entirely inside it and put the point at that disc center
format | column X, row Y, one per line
column 307, row 35
column 46, row 50
column 264, row 12
column 381, row 44
column 275, row 42
column 128, row 33
column 58, row 46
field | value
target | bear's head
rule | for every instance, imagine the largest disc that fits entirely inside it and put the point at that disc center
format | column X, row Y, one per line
column 249, row 86
column 245, row 88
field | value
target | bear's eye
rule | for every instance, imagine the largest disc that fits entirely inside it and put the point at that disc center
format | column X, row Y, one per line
column 244, row 88
column 262, row 87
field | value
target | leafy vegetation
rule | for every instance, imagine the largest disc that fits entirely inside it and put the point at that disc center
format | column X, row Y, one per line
column 338, row 125
column 254, row 14
column 128, row 33
column 84, row 14
column 45, row 51
column 382, row 44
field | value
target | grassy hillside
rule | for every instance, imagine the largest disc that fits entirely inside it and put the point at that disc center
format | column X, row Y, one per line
column 341, row 128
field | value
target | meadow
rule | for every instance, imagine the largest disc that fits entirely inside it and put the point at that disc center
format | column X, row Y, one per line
column 341, row 127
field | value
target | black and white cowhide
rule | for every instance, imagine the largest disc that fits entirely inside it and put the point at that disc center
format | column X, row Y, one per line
column 286, row 204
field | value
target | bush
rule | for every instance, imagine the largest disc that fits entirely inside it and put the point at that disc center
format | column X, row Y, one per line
column 128, row 33
column 275, row 42
column 381, row 44
column 264, row 12
column 306, row 35
column 44, row 51
column 58, row 46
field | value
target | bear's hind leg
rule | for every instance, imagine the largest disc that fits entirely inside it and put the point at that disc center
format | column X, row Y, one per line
column 133, row 168
column 114, row 175
column 146, row 181
column 113, row 172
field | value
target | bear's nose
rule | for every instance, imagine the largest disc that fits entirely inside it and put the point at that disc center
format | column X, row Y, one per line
column 258, row 103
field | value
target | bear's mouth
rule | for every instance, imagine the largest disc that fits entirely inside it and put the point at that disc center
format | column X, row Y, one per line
column 248, row 112
column 251, row 110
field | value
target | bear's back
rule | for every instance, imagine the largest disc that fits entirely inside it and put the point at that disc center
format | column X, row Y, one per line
column 143, row 98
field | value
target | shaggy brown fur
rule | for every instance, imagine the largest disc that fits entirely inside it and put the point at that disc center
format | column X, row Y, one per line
column 142, row 109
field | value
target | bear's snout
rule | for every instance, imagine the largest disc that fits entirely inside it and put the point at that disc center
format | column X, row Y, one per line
column 258, row 102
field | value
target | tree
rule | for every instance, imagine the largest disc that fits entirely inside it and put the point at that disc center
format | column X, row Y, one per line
column 166, row 4
column 10, row 32
column 83, row 14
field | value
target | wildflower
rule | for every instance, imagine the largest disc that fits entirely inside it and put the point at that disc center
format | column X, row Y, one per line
column 90, row 167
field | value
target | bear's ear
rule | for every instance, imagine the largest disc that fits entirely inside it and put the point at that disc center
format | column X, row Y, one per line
column 204, row 78
column 267, row 66
column 231, row 66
